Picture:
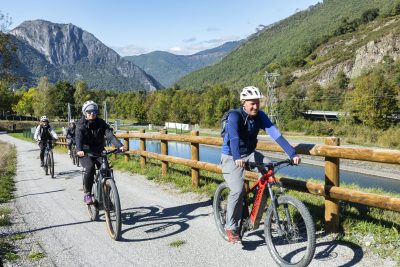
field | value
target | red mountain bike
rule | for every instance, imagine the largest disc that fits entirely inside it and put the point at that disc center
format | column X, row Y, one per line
column 289, row 229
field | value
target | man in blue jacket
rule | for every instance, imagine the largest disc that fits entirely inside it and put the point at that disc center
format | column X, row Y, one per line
column 239, row 146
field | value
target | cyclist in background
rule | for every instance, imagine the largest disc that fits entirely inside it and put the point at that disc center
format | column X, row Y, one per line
column 91, row 132
column 44, row 134
column 70, row 135
column 239, row 146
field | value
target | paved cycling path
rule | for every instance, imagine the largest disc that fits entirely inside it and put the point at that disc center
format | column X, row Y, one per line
column 153, row 217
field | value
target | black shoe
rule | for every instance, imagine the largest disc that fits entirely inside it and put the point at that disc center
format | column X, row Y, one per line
column 41, row 164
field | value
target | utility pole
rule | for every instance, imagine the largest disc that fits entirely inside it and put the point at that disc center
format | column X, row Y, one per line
column 105, row 114
column 272, row 98
column 69, row 112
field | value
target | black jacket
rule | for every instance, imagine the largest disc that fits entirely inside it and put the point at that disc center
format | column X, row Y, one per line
column 70, row 133
column 90, row 136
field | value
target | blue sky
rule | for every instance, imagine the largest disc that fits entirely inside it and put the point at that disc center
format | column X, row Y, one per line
column 133, row 27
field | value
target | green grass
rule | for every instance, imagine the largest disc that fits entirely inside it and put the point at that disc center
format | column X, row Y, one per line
column 22, row 137
column 7, row 171
column 36, row 255
column 7, row 251
column 5, row 217
column 177, row 243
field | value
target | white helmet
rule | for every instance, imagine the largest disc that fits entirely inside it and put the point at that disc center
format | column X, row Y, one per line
column 89, row 105
column 44, row 118
column 250, row 92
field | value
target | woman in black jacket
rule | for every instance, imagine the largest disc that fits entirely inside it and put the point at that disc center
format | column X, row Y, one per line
column 91, row 133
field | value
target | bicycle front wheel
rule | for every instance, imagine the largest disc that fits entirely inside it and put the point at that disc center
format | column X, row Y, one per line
column 112, row 208
column 93, row 209
column 220, row 206
column 50, row 163
column 291, row 239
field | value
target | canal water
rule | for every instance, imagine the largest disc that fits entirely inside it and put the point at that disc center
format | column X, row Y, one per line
column 212, row 154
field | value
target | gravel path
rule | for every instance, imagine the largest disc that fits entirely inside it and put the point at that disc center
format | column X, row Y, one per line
column 52, row 216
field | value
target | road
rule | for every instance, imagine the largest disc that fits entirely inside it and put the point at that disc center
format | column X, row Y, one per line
column 154, row 216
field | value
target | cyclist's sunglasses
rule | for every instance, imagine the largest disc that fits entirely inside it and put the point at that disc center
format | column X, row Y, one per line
column 92, row 111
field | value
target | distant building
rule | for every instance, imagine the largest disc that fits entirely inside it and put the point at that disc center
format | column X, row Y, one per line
column 323, row 115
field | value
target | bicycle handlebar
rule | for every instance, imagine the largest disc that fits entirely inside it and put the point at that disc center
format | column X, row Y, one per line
column 104, row 153
column 270, row 165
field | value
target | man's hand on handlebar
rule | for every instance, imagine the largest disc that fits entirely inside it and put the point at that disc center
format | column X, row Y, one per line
column 240, row 163
column 122, row 149
column 80, row 153
column 296, row 160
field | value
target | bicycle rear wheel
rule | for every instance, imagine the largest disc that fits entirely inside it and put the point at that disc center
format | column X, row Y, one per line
column 220, row 206
column 93, row 209
column 293, row 243
column 50, row 163
column 112, row 208
column 73, row 157
column 77, row 161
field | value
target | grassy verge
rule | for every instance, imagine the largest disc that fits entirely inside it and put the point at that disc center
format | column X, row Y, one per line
column 371, row 228
column 7, row 171
column 60, row 149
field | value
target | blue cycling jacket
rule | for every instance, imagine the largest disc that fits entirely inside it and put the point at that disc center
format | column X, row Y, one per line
column 240, row 139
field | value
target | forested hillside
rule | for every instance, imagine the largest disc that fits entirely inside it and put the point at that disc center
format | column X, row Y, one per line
column 285, row 44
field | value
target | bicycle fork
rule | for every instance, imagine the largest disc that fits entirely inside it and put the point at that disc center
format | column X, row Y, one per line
column 274, row 204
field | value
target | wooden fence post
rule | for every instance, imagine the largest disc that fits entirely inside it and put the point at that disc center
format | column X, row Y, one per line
column 142, row 148
column 126, row 145
column 164, row 151
column 195, row 156
column 332, row 179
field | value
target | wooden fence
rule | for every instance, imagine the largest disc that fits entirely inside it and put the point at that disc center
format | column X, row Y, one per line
column 330, row 150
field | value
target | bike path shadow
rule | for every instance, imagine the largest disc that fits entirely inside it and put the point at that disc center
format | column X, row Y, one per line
column 331, row 249
column 71, row 174
column 41, row 193
column 154, row 222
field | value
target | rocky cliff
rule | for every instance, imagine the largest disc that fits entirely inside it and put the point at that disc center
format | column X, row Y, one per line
column 76, row 54
column 363, row 51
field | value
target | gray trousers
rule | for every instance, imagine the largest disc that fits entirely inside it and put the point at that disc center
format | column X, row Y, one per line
column 234, row 177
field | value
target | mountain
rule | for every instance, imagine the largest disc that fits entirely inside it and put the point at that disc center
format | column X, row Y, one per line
column 167, row 68
column 66, row 52
column 289, row 45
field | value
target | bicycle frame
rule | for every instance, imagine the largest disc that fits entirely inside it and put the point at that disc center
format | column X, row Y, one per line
column 262, row 188
column 102, row 175
column 46, row 152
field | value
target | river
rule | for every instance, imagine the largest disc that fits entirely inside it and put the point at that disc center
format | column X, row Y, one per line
column 212, row 154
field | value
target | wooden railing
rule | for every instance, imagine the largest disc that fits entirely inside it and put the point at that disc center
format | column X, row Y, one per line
column 331, row 151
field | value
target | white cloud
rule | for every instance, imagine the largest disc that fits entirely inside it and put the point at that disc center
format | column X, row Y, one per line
column 202, row 45
column 192, row 46
column 129, row 50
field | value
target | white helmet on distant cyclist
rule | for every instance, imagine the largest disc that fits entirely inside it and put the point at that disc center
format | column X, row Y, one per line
column 44, row 118
column 89, row 106
column 250, row 92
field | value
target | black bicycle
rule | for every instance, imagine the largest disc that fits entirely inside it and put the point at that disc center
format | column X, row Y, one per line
column 289, row 229
column 48, row 164
column 74, row 157
column 105, row 196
